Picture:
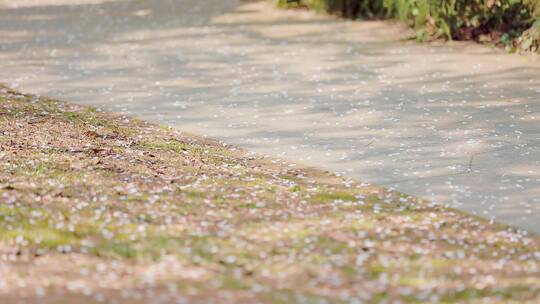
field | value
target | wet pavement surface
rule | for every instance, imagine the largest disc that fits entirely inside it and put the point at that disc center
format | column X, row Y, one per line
column 455, row 123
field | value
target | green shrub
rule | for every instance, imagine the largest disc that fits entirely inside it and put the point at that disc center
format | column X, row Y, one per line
column 464, row 19
column 501, row 21
column 530, row 40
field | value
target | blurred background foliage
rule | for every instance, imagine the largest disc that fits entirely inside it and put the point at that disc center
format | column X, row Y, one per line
column 514, row 24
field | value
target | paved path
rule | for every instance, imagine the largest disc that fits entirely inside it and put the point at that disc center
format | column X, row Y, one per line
column 458, row 124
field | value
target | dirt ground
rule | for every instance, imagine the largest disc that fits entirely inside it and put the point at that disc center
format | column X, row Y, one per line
column 98, row 207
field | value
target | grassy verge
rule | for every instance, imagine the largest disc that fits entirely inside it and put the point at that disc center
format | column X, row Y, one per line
column 98, row 207
column 513, row 24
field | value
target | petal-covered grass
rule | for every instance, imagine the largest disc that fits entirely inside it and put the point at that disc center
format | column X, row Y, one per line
column 101, row 207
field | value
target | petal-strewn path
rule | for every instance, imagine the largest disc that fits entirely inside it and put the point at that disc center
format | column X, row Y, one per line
column 459, row 124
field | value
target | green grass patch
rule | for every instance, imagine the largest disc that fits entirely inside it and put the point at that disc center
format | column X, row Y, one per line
column 329, row 197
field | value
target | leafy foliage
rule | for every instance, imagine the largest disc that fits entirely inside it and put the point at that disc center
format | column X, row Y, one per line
column 500, row 21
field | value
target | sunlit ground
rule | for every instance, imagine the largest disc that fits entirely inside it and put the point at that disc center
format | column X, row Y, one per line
column 457, row 124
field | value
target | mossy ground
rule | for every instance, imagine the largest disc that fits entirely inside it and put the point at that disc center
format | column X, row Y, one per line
column 96, row 206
